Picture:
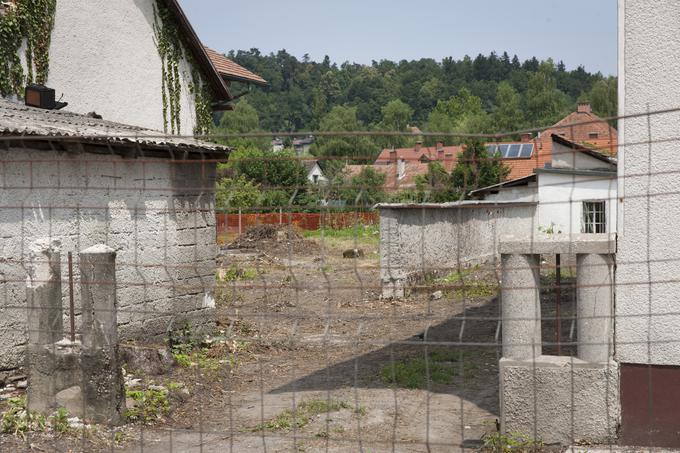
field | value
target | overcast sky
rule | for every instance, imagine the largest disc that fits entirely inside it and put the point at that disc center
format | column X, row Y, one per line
column 575, row 31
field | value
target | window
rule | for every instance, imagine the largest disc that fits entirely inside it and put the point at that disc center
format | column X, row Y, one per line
column 594, row 217
column 593, row 135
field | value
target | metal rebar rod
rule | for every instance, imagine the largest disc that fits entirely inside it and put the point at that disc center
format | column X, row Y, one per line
column 72, row 311
column 558, row 299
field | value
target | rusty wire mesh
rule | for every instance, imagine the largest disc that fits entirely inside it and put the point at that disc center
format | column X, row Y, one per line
column 285, row 339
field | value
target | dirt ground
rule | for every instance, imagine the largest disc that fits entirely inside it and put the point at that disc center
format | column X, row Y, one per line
column 308, row 338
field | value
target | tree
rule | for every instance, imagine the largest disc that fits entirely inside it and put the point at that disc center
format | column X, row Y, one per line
column 242, row 120
column 237, row 192
column 342, row 149
column 545, row 103
column 396, row 116
column 507, row 114
column 462, row 113
column 476, row 169
column 365, row 189
column 603, row 97
column 435, row 186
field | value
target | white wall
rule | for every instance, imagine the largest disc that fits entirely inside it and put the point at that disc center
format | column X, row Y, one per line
column 561, row 197
column 417, row 241
column 149, row 210
column 103, row 58
column 648, row 257
column 316, row 171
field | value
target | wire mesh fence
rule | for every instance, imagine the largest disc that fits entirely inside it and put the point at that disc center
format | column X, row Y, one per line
column 487, row 322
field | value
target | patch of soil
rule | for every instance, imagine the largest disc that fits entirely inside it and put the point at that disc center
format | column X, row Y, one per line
column 276, row 239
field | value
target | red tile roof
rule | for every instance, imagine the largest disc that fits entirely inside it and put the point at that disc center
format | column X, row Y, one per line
column 233, row 71
column 582, row 126
column 412, row 169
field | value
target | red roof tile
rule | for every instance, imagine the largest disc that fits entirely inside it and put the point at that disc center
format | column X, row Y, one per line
column 232, row 71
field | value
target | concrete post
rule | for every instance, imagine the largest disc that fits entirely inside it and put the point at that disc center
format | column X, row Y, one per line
column 521, row 308
column 44, row 323
column 43, row 293
column 594, row 306
column 103, row 391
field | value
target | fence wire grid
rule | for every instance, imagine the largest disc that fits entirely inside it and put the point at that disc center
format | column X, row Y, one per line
column 162, row 309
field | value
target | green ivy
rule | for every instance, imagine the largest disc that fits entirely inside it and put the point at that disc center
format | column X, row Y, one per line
column 204, row 119
column 171, row 50
column 30, row 21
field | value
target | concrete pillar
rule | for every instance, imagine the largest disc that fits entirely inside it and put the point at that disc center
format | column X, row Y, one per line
column 44, row 323
column 43, row 293
column 102, row 385
column 594, row 306
column 520, row 306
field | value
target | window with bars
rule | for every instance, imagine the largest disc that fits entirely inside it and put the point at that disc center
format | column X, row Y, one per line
column 594, row 217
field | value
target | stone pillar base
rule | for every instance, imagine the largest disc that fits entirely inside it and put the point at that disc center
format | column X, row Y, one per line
column 557, row 399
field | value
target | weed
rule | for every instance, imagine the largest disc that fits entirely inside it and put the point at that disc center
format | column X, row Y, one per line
column 199, row 359
column 444, row 366
column 235, row 273
column 18, row 420
column 59, row 421
column 467, row 285
column 298, row 418
column 497, row 442
column 150, row 405
column 363, row 234
column 118, row 437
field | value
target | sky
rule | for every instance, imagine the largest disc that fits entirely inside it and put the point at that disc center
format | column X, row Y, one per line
column 578, row 32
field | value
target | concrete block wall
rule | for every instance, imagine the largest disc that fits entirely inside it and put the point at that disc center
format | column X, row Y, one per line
column 158, row 216
column 414, row 241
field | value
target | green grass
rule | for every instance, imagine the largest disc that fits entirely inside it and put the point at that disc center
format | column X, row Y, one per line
column 150, row 405
column 199, row 359
column 494, row 441
column 300, row 417
column 444, row 367
column 235, row 273
column 18, row 420
column 468, row 285
column 363, row 233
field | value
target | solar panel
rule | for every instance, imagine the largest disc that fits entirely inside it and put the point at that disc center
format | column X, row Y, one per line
column 503, row 149
column 513, row 150
column 527, row 149
column 491, row 150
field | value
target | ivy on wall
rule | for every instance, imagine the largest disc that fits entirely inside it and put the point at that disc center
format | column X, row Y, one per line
column 171, row 50
column 202, row 101
column 28, row 22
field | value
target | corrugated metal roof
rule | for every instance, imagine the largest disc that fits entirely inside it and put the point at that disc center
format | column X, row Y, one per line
column 20, row 120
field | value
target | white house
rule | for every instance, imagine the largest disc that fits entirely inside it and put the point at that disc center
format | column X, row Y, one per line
column 575, row 194
column 76, row 179
column 647, row 334
column 314, row 172
column 137, row 62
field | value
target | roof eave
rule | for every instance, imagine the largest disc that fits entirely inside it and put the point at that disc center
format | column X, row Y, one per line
column 214, row 78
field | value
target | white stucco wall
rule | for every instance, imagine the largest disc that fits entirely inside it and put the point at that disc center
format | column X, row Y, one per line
column 647, row 304
column 316, row 171
column 151, row 211
column 520, row 193
column 561, row 197
column 103, row 58
column 419, row 241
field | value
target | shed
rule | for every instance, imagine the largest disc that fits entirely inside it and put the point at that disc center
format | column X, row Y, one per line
column 81, row 181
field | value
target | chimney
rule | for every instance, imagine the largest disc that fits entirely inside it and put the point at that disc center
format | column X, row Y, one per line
column 526, row 138
column 419, row 144
column 584, row 107
column 401, row 169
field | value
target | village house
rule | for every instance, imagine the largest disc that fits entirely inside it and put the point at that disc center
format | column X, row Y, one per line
column 315, row 174
column 110, row 167
column 575, row 193
column 401, row 166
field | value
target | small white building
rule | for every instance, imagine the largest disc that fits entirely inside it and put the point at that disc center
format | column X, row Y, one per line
column 576, row 194
column 314, row 172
